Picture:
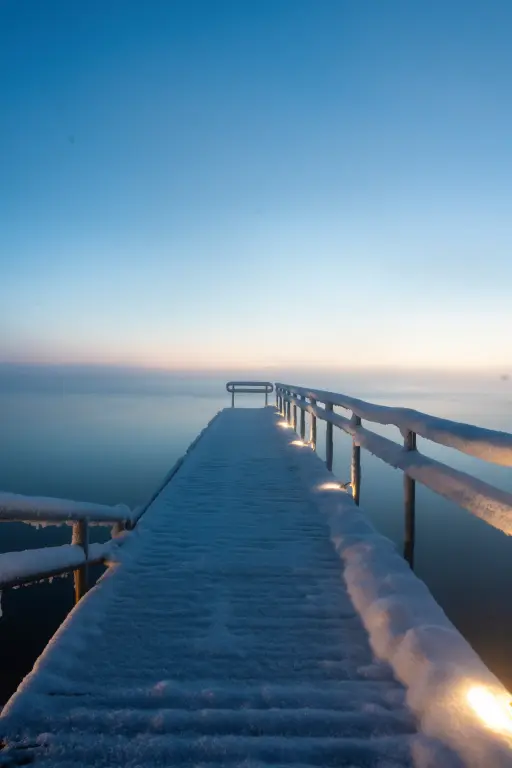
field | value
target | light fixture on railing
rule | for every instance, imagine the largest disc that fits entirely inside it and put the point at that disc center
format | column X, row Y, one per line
column 493, row 709
column 284, row 424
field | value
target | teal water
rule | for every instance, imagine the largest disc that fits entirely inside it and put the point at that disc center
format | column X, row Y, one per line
column 111, row 436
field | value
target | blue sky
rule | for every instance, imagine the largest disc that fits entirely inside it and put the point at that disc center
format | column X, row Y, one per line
column 205, row 184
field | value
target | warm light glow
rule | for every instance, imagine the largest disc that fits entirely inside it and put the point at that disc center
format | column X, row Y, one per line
column 298, row 442
column 493, row 710
column 283, row 424
column 330, row 487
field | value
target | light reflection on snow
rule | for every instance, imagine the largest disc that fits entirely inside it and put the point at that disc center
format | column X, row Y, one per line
column 330, row 487
column 284, row 424
column 492, row 709
column 299, row 442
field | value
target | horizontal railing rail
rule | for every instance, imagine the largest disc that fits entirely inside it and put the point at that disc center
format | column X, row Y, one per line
column 49, row 511
column 30, row 565
column 249, row 387
column 487, row 444
column 490, row 504
column 27, row 566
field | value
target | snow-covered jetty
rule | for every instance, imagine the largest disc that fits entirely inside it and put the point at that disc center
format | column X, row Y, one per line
column 253, row 616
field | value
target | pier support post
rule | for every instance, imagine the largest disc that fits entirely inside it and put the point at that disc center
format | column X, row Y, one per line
column 81, row 538
column 409, row 504
column 302, row 420
column 329, row 445
column 295, row 416
column 313, row 426
column 355, row 468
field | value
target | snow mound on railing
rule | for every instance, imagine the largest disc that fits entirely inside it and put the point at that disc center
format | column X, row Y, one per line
column 32, row 562
column 43, row 509
column 486, row 444
column 443, row 675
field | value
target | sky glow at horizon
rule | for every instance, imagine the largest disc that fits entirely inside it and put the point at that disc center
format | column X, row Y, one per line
column 198, row 185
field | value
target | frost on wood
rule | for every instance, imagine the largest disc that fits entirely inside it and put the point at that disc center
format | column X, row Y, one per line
column 225, row 635
column 40, row 509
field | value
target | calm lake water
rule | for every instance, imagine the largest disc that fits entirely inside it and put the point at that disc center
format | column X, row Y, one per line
column 111, row 435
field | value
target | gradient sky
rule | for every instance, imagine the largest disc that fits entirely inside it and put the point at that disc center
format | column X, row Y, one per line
column 256, row 182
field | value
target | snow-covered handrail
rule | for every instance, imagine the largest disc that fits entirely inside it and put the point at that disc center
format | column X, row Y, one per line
column 30, row 565
column 35, row 564
column 249, row 387
column 491, row 504
column 487, row 444
column 41, row 509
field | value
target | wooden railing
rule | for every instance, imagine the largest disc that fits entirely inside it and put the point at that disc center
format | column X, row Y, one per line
column 249, row 387
column 17, row 568
column 491, row 504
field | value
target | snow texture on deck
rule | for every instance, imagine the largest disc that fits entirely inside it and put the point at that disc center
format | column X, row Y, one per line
column 225, row 634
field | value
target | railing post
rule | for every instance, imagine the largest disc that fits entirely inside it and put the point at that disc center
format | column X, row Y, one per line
column 81, row 538
column 295, row 416
column 288, row 408
column 409, row 504
column 329, row 447
column 233, row 399
column 302, row 420
column 313, row 426
column 355, row 468
column 266, row 397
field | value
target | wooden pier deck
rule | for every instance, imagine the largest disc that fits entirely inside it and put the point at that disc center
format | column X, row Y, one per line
column 254, row 617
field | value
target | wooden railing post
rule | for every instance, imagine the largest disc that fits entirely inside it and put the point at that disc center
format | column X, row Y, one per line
column 409, row 504
column 313, row 426
column 355, row 468
column 302, row 420
column 329, row 446
column 295, row 416
column 288, row 408
column 81, row 538
column 233, row 399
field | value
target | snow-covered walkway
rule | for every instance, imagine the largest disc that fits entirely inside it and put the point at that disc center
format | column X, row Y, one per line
column 225, row 634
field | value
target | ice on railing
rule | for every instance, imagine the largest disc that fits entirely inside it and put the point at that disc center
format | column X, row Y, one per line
column 30, row 563
column 41, row 509
column 487, row 444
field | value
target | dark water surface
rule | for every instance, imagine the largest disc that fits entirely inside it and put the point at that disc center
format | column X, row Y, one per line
column 110, row 436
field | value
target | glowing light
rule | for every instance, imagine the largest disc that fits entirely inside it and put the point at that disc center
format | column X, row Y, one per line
column 492, row 709
column 298, row 442
column 330, row 487
column 283, row 424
